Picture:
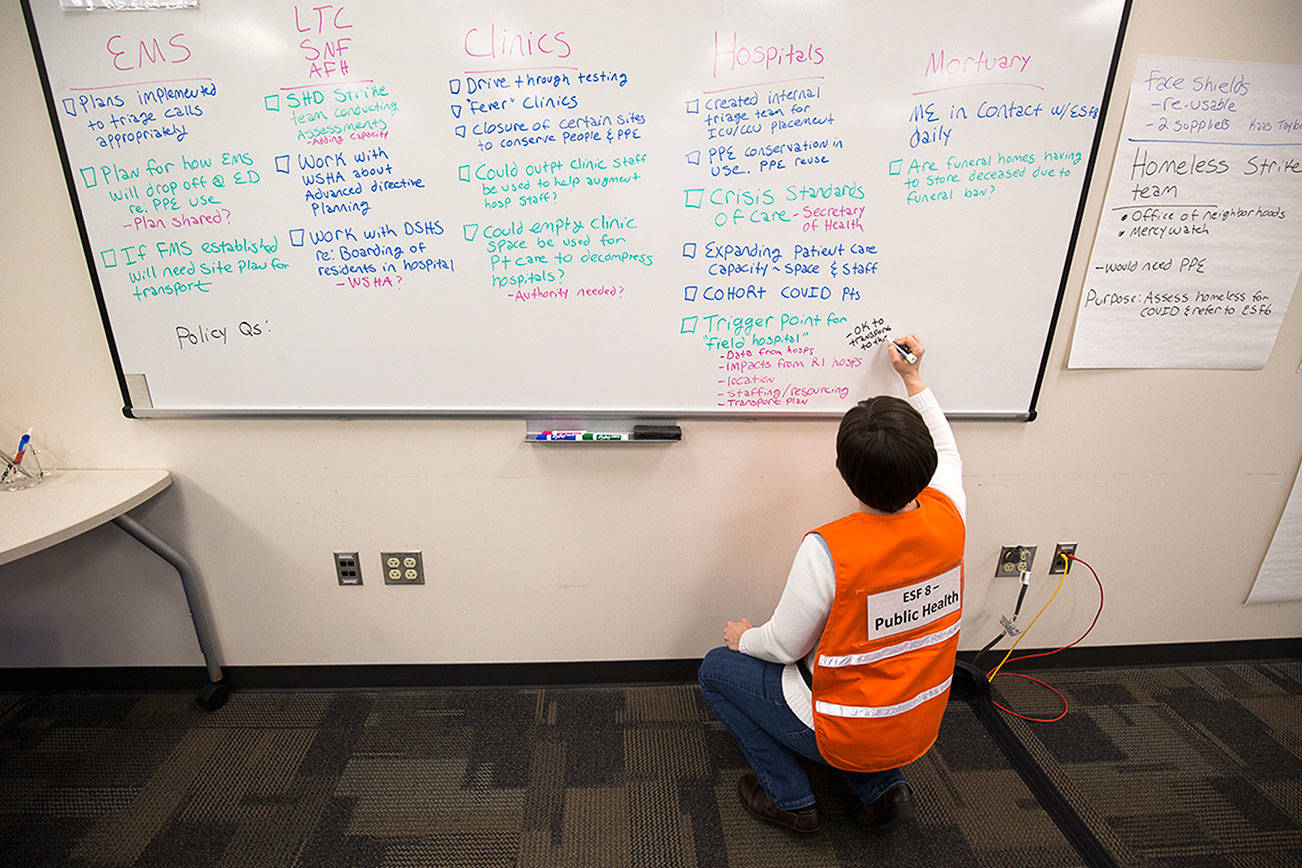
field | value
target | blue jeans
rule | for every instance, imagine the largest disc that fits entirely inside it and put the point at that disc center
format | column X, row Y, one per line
column 746, row 694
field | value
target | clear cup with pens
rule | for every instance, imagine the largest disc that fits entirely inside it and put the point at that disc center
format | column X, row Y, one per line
column 25, row 468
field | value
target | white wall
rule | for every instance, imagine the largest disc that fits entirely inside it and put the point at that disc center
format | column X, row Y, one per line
column 1172, row 481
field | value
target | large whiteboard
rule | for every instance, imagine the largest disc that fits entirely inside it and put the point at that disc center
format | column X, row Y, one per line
column 705, row 207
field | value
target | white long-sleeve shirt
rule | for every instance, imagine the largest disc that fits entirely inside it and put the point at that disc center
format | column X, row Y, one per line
column 797, row 623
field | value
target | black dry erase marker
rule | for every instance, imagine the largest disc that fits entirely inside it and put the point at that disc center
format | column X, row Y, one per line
column 909, row 357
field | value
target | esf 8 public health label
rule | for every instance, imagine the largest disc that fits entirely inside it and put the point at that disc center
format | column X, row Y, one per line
column 901, row 609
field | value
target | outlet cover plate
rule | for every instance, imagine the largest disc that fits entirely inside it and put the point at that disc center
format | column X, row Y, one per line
column 348, row 568
column 1013, row 560
column 402, row 568
column 1057, row 566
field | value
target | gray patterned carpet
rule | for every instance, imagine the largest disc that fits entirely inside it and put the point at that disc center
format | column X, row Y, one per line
column 1167, row 766
column 1187, row 766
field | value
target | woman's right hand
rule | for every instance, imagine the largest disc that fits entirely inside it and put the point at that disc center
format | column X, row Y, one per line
column 907, row 370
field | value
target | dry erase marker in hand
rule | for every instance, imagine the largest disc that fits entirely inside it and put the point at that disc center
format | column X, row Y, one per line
column 908, row 356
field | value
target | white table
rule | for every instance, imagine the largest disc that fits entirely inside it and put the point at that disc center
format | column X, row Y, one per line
column 71, row 502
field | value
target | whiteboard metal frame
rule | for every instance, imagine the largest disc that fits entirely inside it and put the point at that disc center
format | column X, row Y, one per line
column 132, row 411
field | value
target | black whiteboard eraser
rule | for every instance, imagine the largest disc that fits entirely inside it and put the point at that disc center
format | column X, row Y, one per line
column 657, row 432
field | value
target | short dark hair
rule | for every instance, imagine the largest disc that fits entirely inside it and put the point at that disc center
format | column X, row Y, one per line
column 885, row 453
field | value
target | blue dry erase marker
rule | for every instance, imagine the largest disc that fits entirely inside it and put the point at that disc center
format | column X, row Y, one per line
column 559, row 435
column 909, row 357
column 18, row 456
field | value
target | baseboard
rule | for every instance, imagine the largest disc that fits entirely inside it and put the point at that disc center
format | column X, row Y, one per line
column 1171, row 654
column 570, row 674
column 60, row 679
column 563, row 674
column 350, row 677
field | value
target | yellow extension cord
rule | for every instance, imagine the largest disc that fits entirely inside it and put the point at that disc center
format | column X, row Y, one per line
column 995, row 671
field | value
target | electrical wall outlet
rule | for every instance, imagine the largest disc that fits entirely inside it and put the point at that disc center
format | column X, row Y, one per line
column 348, row 568
column 1058, row 565
column 1013, row 560
column 402, row 568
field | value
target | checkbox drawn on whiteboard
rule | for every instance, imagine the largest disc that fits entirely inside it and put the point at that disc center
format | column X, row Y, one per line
column 689, row 325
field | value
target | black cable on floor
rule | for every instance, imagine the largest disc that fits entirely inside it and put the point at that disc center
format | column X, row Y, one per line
column 971, row 684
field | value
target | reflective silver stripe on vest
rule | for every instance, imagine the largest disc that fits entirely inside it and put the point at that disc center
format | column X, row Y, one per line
column 890, row 650
column 831, row 708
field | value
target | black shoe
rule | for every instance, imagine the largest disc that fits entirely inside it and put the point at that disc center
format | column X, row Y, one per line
column 891, row 808
column 754, row 799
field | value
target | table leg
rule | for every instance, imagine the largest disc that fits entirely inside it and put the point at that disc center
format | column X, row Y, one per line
column 215, row 692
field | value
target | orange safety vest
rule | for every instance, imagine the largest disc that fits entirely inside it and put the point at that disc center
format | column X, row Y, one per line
column 886, row 657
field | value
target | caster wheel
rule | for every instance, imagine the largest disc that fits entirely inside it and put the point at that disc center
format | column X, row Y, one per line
column 213, row 695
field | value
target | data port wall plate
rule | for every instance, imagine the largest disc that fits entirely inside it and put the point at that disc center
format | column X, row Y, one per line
column 1058, row 566
column 348, row 568
column 1013, row 560
column 402, row 568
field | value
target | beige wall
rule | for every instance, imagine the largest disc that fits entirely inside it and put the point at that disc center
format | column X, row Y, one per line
column 1172, row 481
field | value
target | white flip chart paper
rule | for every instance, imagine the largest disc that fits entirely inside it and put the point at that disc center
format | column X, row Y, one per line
column 1199, row 245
